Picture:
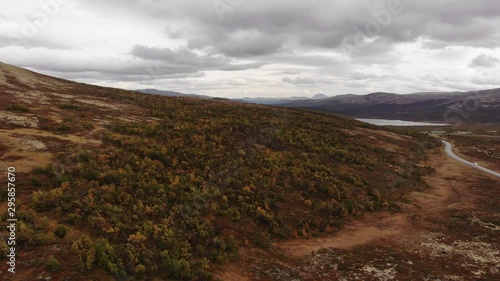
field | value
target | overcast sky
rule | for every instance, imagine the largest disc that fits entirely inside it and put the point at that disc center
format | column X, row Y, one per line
column 259, row 48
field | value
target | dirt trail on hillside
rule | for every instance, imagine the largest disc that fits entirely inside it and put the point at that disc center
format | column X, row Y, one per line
column 445, row 193
column 370, row 228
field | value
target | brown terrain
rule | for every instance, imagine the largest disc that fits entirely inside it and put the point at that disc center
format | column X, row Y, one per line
column 483, row 149
column 446, row 231
column 42, row 121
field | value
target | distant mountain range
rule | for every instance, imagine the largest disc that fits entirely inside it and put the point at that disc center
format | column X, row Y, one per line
column 271, row 101
column 450, row 107
column 172, row 93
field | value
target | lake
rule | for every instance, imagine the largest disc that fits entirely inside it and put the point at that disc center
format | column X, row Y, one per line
column 385, row 122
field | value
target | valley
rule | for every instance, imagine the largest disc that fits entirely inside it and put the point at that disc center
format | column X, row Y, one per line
column 264, row 140
column 193, row 189
column 430, row 238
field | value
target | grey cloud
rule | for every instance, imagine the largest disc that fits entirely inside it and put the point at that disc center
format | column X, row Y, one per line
column 107, row 76
column 142, row 64
column 299, row 58
column 303, row 41
column 116, row 69
column 239, row 67
column 185, row 59
column 329, row 24
column 181, row 56
column 359, row 75
column 242, row 43
column 32, row 43
column 484, row 60
column 136, row 71
column 263, row 27
column 305, row 80
column 488, row 79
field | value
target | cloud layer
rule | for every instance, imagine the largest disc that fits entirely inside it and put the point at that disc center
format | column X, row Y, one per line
column 245, row 48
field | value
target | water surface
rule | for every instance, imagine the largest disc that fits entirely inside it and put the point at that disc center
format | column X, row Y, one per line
column 385, row 122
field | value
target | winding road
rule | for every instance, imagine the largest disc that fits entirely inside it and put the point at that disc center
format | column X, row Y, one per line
column 449, row 151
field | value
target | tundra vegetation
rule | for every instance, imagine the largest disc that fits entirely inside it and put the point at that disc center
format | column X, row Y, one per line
column 180, row 185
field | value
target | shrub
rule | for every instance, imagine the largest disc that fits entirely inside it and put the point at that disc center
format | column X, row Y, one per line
column 69, row 106
column 262, row 240
column 87, row 125
column 4, row 248
column 18, row 107
column 52, row 264
column 64, row 127
column 35, row 182
column 60, row 231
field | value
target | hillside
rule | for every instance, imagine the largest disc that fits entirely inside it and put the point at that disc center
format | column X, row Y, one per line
column 452, row 107
column 113, row 184
column 172, row 94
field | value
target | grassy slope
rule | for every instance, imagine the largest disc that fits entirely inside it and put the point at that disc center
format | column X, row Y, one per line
column 181, row 184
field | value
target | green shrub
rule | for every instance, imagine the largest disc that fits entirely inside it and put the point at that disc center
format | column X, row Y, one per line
column 60, row 231
column 52, row 264
column 4, row 248
column 35, row 182
column 69, row 106
column 18, row 107
column 87, row 125
column 262, row 240
column 64, row 127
